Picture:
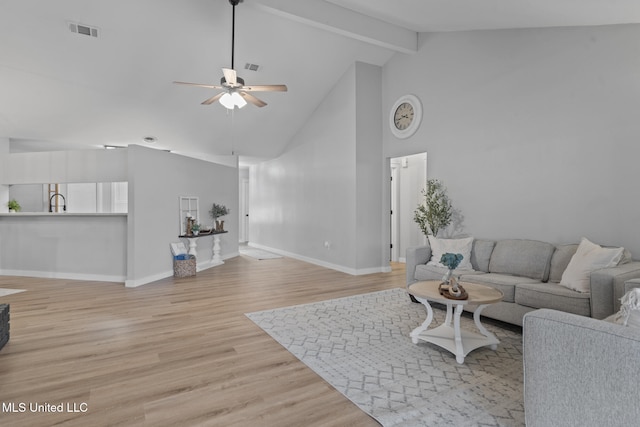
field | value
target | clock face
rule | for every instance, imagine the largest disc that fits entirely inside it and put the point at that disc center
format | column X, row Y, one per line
column 403, row 116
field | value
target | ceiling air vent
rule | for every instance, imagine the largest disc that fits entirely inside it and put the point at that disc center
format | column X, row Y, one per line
column 82, row 29
column 251, row 67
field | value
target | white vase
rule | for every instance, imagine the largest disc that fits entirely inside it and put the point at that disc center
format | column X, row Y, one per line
column 447, row 276
column 452, row 281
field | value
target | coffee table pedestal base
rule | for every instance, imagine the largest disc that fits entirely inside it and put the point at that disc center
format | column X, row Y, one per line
column 450, row 336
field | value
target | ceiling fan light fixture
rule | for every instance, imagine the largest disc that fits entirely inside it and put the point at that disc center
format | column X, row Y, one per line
column 236, row 94
column 227, row 102
column 232, row 100
column 238, row 100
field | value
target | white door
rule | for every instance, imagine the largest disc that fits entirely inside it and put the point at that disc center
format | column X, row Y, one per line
column 408, row 179
column 395, row 211
column 244, row 211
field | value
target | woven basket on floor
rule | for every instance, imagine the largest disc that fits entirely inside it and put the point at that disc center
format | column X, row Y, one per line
column 184, row 267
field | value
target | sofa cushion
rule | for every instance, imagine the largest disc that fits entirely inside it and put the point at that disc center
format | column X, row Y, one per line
column 588, row 257
column 554, row 296
column 526, row 258
column 433, row 272
column 440, row 247
column 481, row 254
column 559, row 261
column 503, row 282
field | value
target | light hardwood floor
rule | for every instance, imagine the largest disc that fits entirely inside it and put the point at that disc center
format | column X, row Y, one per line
column 178, row 352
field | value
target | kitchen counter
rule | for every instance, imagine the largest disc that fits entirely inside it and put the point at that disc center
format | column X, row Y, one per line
column 84, row 246
column 72, row 214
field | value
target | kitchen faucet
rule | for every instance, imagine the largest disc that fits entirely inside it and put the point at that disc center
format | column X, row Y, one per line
column 64, row 201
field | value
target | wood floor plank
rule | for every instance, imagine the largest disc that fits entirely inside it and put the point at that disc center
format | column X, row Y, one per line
column 175, row 352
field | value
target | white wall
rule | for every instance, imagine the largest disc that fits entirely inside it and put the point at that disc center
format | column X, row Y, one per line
column 156, row 180
column 369, row 172
column 305, row 197
column 534, row 132
column 325, row 188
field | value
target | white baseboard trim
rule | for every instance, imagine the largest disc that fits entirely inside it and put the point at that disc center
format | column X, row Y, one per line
column 341, row 268
column 156, row 277
column 63, row 275
column 205, row 265
column 149, row 279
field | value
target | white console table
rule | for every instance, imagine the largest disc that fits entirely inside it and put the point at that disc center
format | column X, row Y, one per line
column 216, row 259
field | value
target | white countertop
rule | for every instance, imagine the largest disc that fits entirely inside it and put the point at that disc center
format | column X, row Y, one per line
column 60, row 214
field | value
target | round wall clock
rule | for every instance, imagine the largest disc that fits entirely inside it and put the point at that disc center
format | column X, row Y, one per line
column 405, row 116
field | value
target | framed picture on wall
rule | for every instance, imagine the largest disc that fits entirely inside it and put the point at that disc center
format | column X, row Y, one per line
column 189, row 208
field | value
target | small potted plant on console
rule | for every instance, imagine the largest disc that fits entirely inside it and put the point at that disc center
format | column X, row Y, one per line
column 195, row 229
column 13, row 206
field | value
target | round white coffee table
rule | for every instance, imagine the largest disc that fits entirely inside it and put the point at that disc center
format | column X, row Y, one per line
column 458, row 341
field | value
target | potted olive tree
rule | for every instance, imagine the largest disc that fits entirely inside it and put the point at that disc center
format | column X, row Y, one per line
column 435, row 213
column 218, row 211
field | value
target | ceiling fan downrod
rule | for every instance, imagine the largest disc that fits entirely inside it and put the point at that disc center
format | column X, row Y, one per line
column 233, row 3
column 234, row 92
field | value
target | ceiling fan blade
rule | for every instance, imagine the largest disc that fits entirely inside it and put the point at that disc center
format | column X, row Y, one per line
column 252, row 99
column 230, row 76
column 265, row 88
column 199, row 85
column 213, row 99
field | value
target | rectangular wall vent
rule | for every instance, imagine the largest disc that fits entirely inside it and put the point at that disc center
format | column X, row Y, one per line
column 82, row 29
column 251, row 67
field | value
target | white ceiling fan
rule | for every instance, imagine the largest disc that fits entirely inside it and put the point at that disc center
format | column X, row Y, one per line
column 235, row 93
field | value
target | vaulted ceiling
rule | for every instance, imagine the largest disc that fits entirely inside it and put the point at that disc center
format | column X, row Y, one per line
column 64, row 90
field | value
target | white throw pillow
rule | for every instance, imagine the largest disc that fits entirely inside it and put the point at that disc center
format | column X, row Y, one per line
column 588, row 257
column 440, row 247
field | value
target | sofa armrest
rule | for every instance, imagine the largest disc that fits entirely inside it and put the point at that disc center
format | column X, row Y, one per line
column 415, row 256
column 631, row 284
column 579, row 371
column 607, row 287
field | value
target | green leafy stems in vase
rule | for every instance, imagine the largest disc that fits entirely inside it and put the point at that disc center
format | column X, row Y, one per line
column 195, row 229
column 216, row 212
column 451, row 261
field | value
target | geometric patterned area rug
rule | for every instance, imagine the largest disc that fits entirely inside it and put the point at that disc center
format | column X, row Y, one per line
column 361, row 346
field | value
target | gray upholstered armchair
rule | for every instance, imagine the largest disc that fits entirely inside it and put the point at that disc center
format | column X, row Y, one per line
column 580, row 371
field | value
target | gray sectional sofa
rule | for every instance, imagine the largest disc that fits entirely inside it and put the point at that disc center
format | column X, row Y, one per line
column 528, row 272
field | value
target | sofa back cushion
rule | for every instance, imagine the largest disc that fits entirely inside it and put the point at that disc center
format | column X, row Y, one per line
column 526, row 258
column 481, row 254
column 560, row 260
